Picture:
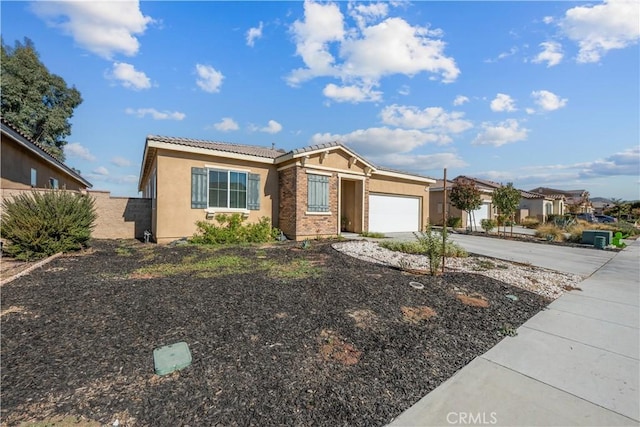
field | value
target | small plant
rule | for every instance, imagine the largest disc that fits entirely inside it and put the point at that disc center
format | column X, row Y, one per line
column 550, row 233
column 454, row 222
column 37, row 225
column 432, row 244
column 508, row 330
column 372, row 234
column 231, row 230
column 488, row 225
column 531, row 222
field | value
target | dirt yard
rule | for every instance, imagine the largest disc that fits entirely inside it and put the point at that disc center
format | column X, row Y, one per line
column 279, row 335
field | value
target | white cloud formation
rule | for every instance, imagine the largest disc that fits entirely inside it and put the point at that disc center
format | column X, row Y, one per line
column 104, row 28
column 272, row 127
column 420, row 162
column 226, row 124
column 155, row 114
column 551, row 54
column 503, row 102
column 460, row 99
column 404, row 90
column 434, row 119
column 622, row 163
column 209, row 79
column 101, row 170
column 500, row 134
column 598, row 29
column 76, row 149
column 353, row 94
column 373, row 142
column 406, row 49
column 253, row 34
column 548, row 19
column 548, row 101
column 120, row 161
column 129, row 77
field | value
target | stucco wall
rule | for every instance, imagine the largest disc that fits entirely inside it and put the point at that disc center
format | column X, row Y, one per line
column 16, row 163
column 175, row 218
column 117, row 217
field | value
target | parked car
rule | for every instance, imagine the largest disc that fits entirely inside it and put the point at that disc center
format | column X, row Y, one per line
column 606, row 218
column 589, row 217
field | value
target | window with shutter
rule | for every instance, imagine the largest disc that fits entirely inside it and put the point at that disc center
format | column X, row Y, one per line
column 198, row 188
column 317, row 193
column 253, row 192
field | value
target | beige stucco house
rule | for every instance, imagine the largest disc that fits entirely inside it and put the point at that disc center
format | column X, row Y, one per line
column 316, row 191
column 26, row 165
column 436, row 197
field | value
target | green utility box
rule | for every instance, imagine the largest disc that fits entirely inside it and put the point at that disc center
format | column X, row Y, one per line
column 171, row 358
column 589, row 237
column 599, row 242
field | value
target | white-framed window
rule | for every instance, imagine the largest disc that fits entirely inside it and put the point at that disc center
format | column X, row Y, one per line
column 53, row 183
column 317, row 193
column 34, row 177
column 224, row 189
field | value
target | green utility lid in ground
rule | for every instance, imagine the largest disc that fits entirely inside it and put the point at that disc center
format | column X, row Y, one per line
column 171, row 358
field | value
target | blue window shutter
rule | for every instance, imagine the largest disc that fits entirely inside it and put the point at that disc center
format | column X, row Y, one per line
column 198, row 188
column 253, row 193
column 318, row 193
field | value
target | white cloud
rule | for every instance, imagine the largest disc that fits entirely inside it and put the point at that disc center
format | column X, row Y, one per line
column 155, row 114
column 253, row 34
column 603, row 27
column 226, row 124
column 548, row 101
column 209, row 79
column 551, row 54
column 503, row 55
column 420, row 162
column 120, row 162
column 500, row 134
column 623, row 163
column 503, row 102
column 379, row 141
column 101, row 170
column 104, row 28
column 272, row 127
column 129, row 77
column 406, row 49
column 353, row 94
column 434, row 119
column 460, row 99
column 548, row 19
column 404, row 90
column 76, row 149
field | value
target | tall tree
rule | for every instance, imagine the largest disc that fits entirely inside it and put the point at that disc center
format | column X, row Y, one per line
column 34, row 100
column 466, row 197
column 507, row 200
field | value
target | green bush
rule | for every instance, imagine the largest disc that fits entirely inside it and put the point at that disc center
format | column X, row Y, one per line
column 454, row 222
column 231, row 230
column 488, row 224
column 37, row 225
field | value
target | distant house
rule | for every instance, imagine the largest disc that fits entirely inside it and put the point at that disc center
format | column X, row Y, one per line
column 436, row 195
column 539, row 206
column 576, row 201
column 25, row 164
column 315, row 191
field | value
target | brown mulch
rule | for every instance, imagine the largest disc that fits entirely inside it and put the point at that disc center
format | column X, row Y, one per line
column 278, row 336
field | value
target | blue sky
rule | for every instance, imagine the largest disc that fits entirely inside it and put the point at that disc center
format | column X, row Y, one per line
column 535, row 93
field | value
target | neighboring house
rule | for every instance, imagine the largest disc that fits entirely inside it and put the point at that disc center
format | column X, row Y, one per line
column 436, row 194
column 539, row 206
column 600, row 204
column 575, row 201
column 25, row 164
column 309, row 192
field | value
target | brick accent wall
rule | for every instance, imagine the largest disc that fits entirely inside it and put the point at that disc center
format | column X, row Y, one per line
column 294, row 221
column 287, row 202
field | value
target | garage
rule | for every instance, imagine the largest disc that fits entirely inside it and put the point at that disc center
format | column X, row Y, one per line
column 479, row 214
column 389, row 214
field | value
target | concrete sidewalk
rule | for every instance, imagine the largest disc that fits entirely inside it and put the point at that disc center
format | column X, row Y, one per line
column 573, row 364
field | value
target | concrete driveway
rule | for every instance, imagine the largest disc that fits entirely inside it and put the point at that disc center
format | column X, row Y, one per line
column 581, row 261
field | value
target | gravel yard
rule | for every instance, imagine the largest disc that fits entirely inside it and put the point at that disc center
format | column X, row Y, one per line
column 279, row 335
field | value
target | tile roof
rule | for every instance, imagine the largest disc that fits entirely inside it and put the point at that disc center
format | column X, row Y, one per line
column 249, row 150
column 484, row 182
column 318, row 147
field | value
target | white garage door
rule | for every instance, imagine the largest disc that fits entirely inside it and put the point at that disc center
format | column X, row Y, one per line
column 480, row 214
column 393, row 213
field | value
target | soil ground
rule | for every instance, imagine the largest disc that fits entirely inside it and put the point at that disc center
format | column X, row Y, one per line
column 279, row 335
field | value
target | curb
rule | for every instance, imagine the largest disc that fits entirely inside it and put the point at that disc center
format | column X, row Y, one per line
column 30, row 269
